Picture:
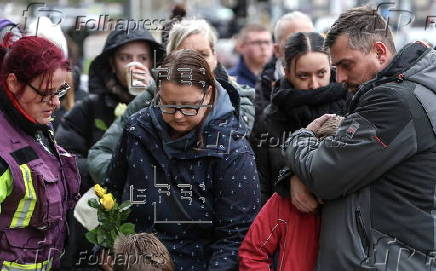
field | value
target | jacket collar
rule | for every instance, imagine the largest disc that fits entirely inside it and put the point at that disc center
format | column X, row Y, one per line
column 243, row 70
column 404, row 60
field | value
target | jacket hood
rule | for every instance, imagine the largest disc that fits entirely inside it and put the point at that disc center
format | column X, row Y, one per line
column 424, row 69
column 118, row 38
column 223, row 79
column 222, row 105
column 100, row 69
column 216, row 135
column 415, row 62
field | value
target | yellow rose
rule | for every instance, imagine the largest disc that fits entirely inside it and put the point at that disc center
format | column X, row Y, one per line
column 99, row 191
column 107, row 201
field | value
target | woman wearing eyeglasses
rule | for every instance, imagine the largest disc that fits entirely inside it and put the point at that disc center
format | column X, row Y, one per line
column 187, row 34
column 185, row 164
column 39, row 181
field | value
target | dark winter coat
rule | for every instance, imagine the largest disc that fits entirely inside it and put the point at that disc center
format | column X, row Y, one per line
column 291, row 109
column 198, row 196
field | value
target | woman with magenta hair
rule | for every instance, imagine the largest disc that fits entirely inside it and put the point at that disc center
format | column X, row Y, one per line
column 39, row 181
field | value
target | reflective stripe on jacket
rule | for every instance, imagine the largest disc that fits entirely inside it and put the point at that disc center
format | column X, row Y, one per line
column 41, row 188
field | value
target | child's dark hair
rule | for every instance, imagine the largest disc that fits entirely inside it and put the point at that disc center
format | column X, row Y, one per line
column 142, row 251
column 301, row 43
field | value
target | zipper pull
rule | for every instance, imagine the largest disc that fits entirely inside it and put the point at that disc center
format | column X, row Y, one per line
column 400, row 78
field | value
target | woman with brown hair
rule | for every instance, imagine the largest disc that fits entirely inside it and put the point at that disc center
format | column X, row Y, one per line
column 187, row 167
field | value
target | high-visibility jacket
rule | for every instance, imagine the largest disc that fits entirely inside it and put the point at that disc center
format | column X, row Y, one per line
column 37, row 188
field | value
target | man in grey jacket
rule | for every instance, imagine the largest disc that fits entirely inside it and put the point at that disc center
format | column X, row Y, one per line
column 377, row 175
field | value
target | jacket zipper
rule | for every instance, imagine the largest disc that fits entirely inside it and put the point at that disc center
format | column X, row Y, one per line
column 364, row 240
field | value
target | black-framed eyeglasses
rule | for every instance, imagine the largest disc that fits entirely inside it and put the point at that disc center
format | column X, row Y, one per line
column 186, row 110
column 48, row 97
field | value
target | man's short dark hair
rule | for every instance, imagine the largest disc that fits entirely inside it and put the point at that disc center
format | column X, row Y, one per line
column 363, row 26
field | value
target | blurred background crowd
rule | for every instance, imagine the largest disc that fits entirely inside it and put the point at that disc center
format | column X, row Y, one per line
column 409, row 19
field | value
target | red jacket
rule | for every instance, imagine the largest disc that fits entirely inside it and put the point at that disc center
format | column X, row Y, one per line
column 279, row 225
